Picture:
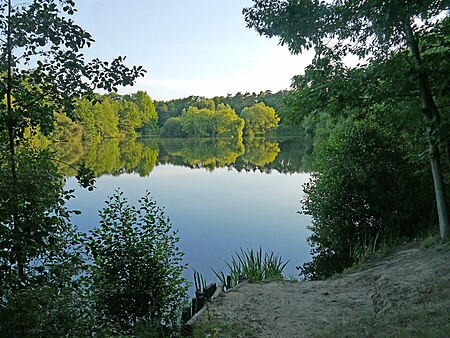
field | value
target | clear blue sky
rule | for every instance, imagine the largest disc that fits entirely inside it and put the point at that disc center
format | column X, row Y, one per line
column 188, row 47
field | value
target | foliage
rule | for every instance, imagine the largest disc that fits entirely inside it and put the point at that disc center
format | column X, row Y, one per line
column 32, row 214
column 259, row 118
column 372, row 30
column 254, row 266
column 174, row 108
column 41, row 33
column 136, row 267
column 358, row 27
column 149, row 115
column 99, row 119
column 112, row 115
column 129, row 118
column 204, row 122
column 363, row 192
column 173, row 128
column 46, row 311
column 66, row 130
column 42, row 71
column 42, row 259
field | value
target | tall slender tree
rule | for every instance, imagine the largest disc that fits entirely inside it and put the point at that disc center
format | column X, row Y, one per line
column 365, row 28
column 42, row 69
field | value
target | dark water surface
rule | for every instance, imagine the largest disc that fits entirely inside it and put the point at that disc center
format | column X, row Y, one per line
column 222, row 196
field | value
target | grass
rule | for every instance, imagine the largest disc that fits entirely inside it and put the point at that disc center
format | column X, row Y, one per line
column 254, row 266
column 223, row 329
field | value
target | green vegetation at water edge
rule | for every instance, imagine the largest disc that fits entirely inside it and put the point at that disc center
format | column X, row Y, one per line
column 252, row 265
column 376, row 127
column 56, row 281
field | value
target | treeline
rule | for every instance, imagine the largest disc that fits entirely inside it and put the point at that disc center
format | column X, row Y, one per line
column 221, row 121
column 114, row 115
column 233, row 115
column 237, row 102
column 371, row 184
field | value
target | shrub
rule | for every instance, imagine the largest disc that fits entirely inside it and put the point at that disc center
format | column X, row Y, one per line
column 364, row 192
column 136, row 268
column 46, row 311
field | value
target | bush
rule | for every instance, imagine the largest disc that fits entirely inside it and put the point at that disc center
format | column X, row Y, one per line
column 46, row 311
column 363, row 192
column 136, row 269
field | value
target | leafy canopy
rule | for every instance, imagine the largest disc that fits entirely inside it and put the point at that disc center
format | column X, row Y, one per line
column 42, row 63
column 360, row 27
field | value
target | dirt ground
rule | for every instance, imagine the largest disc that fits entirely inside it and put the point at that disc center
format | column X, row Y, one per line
column 305, row 309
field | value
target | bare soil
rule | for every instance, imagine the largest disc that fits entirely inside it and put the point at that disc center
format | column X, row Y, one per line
column 401, row 281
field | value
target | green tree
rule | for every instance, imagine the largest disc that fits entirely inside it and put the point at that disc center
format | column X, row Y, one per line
column 259, row 118
column 137, row 266
column 85, row 115
column 106, row 117
column 99, row 119
column 205, row 122
column 66, row 130
column 228, row 122
column 130, row 118
column 149, row 115
column 173, row 128
column 42, row 70
column 364, row 28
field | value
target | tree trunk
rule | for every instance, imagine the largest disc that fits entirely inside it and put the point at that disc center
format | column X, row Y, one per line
column 9, row 97
column 16, row 253
column 433, row 121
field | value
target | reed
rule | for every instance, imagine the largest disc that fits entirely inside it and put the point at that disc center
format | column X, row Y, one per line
column 254, row 266
column 199, row 281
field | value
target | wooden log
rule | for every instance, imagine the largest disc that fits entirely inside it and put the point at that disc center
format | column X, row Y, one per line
column 194, row 306
column 186, row 314
column 209, row 290
column 228, row 282
column 200, row 296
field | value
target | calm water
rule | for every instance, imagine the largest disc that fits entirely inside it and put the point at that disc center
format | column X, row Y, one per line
column 222, row 196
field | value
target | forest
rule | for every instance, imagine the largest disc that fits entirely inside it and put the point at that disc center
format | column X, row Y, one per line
column 378, row 132
column 136, row 115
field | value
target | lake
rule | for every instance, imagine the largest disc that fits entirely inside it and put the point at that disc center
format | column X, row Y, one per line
column 222, row 195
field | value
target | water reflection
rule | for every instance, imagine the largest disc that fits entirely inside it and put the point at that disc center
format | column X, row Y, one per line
column 221, row 194
column 115, row 157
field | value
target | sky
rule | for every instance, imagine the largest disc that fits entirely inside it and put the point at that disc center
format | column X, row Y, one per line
column 188, row 47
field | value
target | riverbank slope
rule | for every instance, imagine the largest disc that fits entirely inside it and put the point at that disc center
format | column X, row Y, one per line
column 406, row 293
